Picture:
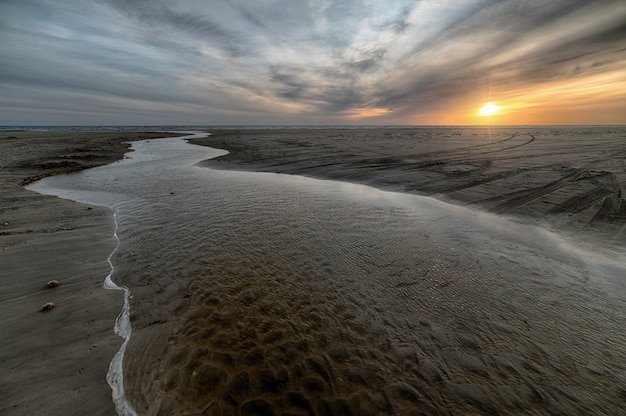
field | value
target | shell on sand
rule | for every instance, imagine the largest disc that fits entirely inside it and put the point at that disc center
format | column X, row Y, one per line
column 53, row 283
column 47, row 306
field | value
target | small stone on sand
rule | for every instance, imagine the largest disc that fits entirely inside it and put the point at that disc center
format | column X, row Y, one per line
column 47, row 306
column 53, row 283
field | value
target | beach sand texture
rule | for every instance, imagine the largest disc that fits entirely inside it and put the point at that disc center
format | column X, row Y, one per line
column 386, row 325
column 54, row 362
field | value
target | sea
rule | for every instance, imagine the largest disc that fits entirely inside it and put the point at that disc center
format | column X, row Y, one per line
column 145, row 128
column 263, row 292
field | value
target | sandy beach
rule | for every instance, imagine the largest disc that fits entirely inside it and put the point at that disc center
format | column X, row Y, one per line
column 56, row 361
column 267, row 316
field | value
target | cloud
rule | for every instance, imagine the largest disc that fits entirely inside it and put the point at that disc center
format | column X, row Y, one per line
column 304, row 62
column 501, row 46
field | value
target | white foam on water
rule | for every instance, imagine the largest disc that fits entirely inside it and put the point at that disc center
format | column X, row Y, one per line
column 122, row 328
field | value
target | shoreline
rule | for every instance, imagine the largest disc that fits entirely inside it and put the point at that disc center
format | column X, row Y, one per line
column 123, row 329
column 58, row 359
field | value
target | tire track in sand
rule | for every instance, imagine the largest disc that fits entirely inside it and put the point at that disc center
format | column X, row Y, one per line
column 521, row 198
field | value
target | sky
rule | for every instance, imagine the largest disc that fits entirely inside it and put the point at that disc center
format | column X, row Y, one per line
column 312, row 62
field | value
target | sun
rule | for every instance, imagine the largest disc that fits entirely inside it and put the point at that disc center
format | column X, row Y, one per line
column 489, row 109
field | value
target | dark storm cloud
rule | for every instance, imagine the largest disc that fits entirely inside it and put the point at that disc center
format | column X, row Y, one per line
column 289, row 85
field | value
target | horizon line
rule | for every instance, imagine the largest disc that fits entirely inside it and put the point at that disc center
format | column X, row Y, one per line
column 312, row 125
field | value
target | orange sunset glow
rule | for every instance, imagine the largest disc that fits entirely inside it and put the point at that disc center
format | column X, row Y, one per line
column 598, row 99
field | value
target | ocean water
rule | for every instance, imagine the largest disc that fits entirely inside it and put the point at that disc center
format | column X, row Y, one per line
column 260, row 292
column 144, row 128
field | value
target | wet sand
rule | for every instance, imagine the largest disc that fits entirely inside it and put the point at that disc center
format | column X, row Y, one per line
column 499, row 335
column 55, row 362
column 561, row 178
column 368, row 324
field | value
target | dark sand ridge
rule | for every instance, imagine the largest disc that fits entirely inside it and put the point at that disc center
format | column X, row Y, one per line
column 55, row 362
column 568, row 179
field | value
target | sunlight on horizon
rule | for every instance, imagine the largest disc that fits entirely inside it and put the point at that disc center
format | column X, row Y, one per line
column 362, row 113
column 489, row 109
